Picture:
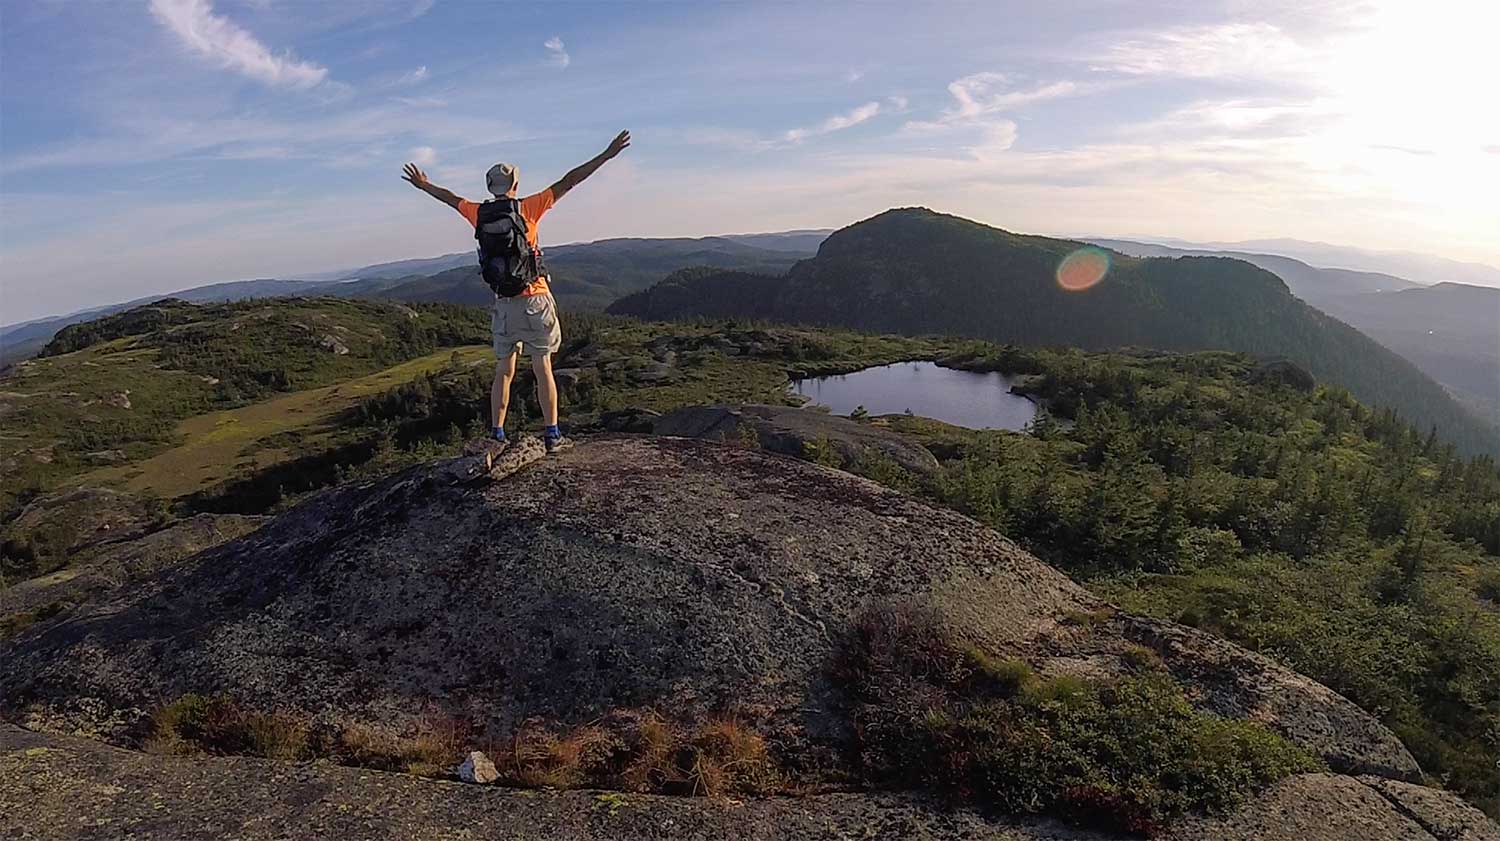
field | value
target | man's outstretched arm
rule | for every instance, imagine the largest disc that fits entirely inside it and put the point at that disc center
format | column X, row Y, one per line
column 417, row 178
column 582, row 171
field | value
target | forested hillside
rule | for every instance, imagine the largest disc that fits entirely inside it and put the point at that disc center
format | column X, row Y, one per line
column 915, row 271
column 1291, row 519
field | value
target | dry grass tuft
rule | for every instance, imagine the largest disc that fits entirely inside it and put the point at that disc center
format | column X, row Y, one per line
column 540, row 758
column 629, row 750
column 217, row 725
column 639, row 751
column 431, row 751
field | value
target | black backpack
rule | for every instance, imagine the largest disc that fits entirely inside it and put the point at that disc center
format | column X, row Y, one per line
column 506, row 259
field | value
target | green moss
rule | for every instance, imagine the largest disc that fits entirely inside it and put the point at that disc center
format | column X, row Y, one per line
column 19, row 621
column 1006, row 677
column 1141, row 658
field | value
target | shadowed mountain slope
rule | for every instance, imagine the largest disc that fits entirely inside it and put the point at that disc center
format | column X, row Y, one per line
column 915, row 271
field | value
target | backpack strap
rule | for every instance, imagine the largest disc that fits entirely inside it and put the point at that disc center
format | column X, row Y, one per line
column 497, row 209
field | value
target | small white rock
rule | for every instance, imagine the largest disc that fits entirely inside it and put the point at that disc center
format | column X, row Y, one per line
column 477, row 768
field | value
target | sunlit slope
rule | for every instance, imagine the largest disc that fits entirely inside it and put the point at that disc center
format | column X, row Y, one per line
column 219, row 445
column 114, row 391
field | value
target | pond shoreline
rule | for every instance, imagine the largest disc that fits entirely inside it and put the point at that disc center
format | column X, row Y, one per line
column 926, row 388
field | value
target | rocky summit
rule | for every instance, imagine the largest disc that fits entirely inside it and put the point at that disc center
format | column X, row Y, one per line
column 629, row 572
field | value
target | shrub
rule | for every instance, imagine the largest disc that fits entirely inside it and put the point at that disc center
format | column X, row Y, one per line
column 1131, row 754
column 1488, row 586
column 822, row 451
column 1141, row 658
column 198, row 723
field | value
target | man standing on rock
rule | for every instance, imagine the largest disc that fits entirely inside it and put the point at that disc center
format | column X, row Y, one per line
column 524, row 317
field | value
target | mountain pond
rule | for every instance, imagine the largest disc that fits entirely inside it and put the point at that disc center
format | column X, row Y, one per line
column 963, row 398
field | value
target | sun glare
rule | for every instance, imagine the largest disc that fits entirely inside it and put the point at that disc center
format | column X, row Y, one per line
column 1083, row 269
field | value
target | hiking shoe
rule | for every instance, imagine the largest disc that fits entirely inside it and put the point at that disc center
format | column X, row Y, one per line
column 555, row 444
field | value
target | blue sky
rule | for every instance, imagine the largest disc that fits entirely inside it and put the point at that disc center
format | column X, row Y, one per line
column 150, row 145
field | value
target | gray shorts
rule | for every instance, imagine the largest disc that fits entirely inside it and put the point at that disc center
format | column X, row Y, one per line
column 529, row 321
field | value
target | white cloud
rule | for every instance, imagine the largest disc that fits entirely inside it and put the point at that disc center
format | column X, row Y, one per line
column 412, row 77
column 424, row 156
column 837, row 122
column 973, row 123
column 897, row 103
column 854, row 76
column 221, row 40
column 558, row 54
column 1222, row 50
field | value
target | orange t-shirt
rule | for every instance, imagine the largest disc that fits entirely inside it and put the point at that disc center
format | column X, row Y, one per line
column 532, row 209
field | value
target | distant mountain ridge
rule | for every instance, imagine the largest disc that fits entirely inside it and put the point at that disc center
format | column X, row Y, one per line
column 588, row 274
column 1422, row 268
column 915, row 271
column 1313, row 284
column 1448, row 329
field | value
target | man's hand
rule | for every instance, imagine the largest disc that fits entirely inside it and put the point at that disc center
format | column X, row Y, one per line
column 584, row 170
column 416, row 177
column 618, row 145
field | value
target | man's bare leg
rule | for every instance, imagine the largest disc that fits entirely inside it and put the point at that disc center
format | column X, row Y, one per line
column 505, row 371
column 546, row 395
column 546, row 387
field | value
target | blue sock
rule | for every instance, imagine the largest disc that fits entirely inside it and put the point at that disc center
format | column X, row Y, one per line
column 551, row 432
column 497, row 433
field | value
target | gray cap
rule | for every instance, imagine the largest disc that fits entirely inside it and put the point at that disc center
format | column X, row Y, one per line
column 502, row 178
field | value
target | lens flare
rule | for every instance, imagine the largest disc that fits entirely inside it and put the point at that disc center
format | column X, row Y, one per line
column 1083, row 268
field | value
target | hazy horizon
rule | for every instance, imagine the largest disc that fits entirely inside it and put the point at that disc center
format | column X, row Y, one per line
column 185, row 142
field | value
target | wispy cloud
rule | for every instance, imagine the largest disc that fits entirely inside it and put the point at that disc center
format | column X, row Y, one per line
column 1222, row 50
column 837, row 122
column 974, row 122
column 424, row 156
column 557, row 53
column 412, row 77
column 982, row 94
column 1233, row 118
column 422, row 101
column 226, row 43
column 364, row 135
